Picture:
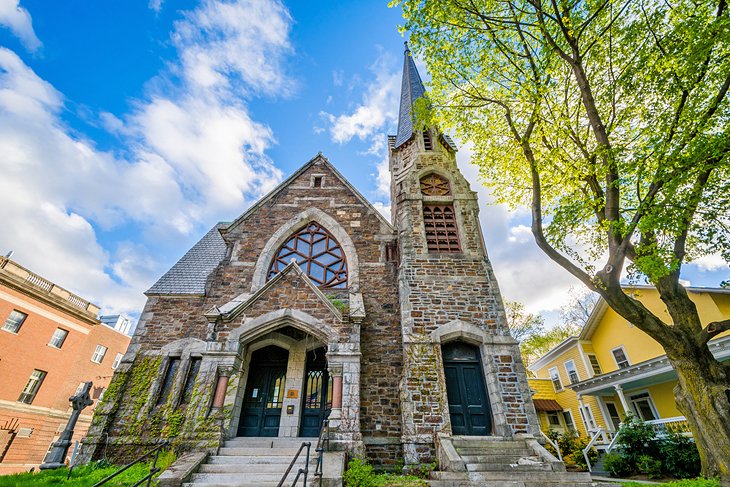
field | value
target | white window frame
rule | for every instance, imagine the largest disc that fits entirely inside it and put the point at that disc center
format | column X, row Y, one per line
column 608, row 413
column 571, row 426
column 557, row 416
column 53, row 337
column 557, row 375
column 634, row 410
column 117, row 361
column 626, row 355
column 99, row 354
column 593, row 367
column 30, row 391
column 7, row 324
column 591, row 425
column 575, row 369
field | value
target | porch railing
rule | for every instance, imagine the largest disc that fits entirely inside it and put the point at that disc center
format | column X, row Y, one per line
column 554, row 444
column 153, row 468
column 668, row 426
column 323, row 445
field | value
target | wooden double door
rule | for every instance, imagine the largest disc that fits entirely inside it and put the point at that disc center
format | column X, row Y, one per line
column 265, row 388
column 466, row 390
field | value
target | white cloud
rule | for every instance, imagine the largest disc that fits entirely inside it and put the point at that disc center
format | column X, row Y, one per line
column 379, row 105
column 192, row 152
column 712, row 262
column 18, row 20
column 520, row 234
column 156, row 5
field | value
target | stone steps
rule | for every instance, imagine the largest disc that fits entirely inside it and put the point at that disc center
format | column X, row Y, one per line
column 499, row 462
column 254, row 462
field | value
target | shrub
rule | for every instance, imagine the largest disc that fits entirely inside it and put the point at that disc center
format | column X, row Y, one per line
column 618, row 465
column 636, row 439
column 360, row 474
column 680, row 457
column 649, row 465
column 571, row 446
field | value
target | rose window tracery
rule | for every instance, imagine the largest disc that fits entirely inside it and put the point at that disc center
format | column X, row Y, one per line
column 318, row 254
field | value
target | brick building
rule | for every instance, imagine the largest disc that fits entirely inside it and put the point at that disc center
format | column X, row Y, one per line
column 312, row 305
column 50, row 342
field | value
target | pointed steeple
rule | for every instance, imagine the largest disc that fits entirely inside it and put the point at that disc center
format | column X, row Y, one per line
column 411, row 89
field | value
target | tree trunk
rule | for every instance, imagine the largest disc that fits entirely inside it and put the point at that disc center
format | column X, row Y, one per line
column 703, row 396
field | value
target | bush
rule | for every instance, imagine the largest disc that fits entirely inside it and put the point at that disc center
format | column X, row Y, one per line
column 618, row 465
column 649, row 465
column 680, row 457
column 360, row 474
column 636, row 439
column 571, row 446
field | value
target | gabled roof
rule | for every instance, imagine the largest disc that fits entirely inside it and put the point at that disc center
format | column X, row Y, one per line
column 238, row 305
column 318, row 158
column 190, row 273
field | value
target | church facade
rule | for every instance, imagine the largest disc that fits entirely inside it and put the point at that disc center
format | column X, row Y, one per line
column 312, row 306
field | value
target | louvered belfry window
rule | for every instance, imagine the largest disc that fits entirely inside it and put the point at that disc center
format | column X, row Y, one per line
column 439, row 220
column 318, row 253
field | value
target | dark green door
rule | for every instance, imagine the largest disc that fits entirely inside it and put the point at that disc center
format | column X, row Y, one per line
column 468, row 404
column 317, row 397
column 261, row 408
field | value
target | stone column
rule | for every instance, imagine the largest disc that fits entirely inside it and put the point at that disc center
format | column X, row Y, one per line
column 291, row 410
column 335, row 416
column 221, row 386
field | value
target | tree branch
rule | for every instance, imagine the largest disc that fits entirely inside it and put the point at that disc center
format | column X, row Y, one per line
column 712, row 330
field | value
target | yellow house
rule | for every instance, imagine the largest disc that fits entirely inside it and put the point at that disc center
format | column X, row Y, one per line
column 590, row 382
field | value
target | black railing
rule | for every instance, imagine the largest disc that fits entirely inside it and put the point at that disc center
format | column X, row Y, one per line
column 153, row 468
column 302, row 471
column 323, row 445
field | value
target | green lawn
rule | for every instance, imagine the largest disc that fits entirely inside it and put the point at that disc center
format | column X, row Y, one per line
column 85, row 475
column 680, row 483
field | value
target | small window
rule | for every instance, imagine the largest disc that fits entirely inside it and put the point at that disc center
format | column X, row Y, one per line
column 594, row 364
column 553, row 418
column 622, row 361
column 187, row 394
column 166, row 389
column 99, row 354
column 587, row 416
column 117, row 360
column 31, row 388
column 555, row 377
column 427, row 144
column 643, row 406
column 59, row 336
column 317, row 182
column 14, row 321
column 572, row 372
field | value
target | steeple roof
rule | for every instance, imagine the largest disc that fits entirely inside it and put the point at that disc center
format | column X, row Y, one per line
column 411, row 89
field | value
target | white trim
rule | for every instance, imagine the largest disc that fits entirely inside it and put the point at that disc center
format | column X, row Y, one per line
column 583, row 353
column 557, row 372
column 567, row 372
column 56, row 318
column 552, row 354
column 572, row 419
column 608, row 414
column 626, row 355
column 591, row 370
column 634, row 410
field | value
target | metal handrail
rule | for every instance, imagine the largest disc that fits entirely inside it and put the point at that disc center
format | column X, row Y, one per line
column 305, row 470
column 554, row 444
column 153, row 468
column 323, row 445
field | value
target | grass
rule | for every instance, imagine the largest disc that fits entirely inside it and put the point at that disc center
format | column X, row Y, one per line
column 86, row 475
column 681, row 483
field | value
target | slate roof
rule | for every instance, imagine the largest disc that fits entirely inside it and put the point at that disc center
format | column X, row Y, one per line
column 189, row 274
column 411, row 90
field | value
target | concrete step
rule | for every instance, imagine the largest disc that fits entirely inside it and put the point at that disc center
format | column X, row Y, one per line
column 213, row 483
column 253, row 468
column 256, row 442
column 506, row 459
column 258, row 460
column 248, row 477
column 533, row 477
column 247, row 451
column 500, row 444
column 497, row 467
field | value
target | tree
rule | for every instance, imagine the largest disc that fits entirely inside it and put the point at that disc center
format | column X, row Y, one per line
column 609, row 119
column 522, row 324
column 577, row 311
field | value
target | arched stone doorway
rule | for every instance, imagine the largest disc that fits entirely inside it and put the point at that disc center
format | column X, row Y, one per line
column 466, row 389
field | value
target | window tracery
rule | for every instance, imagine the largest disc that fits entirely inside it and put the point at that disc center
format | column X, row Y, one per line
column 318, row 254
column 435, row 185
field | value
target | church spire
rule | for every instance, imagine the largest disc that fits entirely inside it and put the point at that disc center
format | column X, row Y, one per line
column 411, row 89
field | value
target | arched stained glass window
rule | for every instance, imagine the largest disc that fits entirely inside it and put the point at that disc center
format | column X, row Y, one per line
column 435, row 185
column 317, row 252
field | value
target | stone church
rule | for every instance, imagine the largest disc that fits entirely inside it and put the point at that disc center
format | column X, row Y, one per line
column 312, row 305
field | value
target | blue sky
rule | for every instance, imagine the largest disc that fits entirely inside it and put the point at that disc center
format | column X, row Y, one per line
column 127, row 129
